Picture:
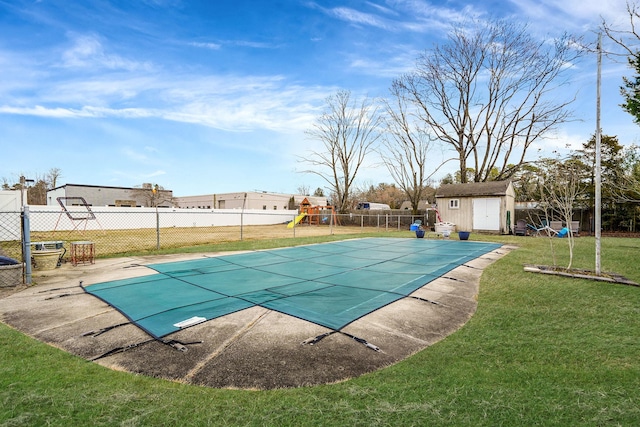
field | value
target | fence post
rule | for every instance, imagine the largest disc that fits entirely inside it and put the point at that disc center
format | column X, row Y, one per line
column 244, row 201
column 26, row 243
column 331, row 224
column 157, row 228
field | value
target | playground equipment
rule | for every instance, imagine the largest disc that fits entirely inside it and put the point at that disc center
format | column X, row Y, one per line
column 296, row 220
column 315, row 215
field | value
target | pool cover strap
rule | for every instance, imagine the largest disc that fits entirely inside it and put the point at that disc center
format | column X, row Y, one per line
column 178, row 345
column 317, row 339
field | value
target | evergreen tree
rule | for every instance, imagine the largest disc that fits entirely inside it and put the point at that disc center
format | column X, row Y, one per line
column 631, row 89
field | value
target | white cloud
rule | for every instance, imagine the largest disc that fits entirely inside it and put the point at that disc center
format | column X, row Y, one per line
column 212, row 46
column 84, row 112
column 572, row 15
column 88, row 52
column 400, row 60
column 413, row 15
column 241, row 43
column 356, row 17
column 234, row 103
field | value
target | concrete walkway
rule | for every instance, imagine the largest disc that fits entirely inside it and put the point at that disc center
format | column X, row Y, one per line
column 251, row 349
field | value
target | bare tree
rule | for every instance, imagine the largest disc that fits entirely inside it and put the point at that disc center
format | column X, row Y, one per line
column 627, row 44
column 408, row 150
column 38, row 187
column 626, row 189
column 562, row 183
column 303, row 189
column 489, row 94
column 381, row 193
column 52, row 177
column 347, row 131
column 625, row 39
column 153, row 195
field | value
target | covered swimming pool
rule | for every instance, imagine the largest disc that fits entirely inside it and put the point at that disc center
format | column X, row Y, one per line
column 329, row 284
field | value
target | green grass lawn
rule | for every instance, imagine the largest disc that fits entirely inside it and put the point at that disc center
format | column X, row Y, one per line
column 540, row 350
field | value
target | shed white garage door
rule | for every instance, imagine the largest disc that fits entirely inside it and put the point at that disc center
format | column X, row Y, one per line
column 486, row 214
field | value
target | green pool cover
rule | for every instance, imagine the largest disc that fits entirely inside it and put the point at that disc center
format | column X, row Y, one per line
column 330, row 284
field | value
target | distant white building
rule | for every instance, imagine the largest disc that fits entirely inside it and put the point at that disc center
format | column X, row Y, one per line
column 100, row 195
column 97, row 195
column 246, row 200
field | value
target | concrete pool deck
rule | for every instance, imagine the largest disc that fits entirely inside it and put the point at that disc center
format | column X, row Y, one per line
column 252, row 349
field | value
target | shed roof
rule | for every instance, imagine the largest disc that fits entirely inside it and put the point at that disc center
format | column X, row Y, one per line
column 490, row 188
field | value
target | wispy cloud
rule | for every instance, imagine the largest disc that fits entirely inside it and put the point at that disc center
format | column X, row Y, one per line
column 242, row 43
column 254, row 44
column 411, row 15
column 206, row 45
column 87, row 52
column 85, row 112
column 243, row 104
column 396, row 63
column 234, row 103
column 580, row 12
column 356, row 17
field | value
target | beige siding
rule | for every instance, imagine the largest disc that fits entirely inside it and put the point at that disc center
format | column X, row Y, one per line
column 462, row 217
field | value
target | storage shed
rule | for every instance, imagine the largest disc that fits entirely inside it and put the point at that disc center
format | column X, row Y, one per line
column 478, row 206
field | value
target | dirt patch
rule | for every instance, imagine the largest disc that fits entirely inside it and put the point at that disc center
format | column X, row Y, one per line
column 252, row 349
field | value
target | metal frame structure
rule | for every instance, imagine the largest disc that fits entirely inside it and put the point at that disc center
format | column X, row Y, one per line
column 76, row 216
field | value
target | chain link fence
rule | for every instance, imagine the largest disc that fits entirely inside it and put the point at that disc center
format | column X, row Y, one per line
column 11, row 248
column 121, row 231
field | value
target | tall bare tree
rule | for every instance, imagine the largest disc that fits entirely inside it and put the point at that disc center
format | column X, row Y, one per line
column 489, row 94
column 348, row 131
column 407, row 149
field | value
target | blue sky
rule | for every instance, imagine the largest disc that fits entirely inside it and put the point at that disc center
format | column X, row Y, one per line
column 215, row 96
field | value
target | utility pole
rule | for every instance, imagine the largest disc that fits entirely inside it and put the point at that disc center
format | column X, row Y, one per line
column 598, row 189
